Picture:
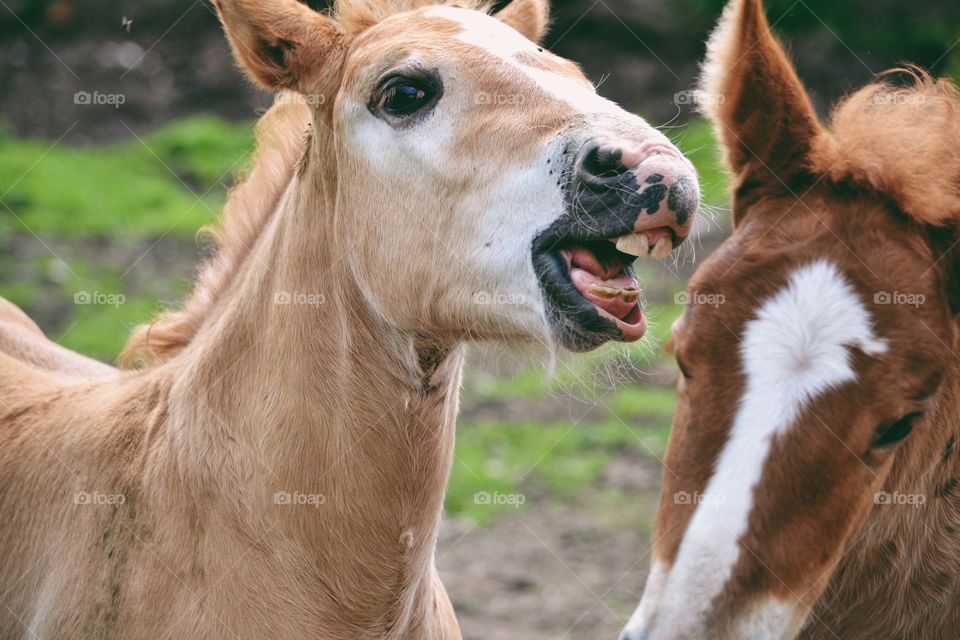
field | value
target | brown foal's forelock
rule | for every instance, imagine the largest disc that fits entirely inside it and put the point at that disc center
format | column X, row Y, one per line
column 853, row 522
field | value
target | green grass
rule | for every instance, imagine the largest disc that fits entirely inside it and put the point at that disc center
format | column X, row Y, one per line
column 166, row 182
column 505, row 467
column 698, row 143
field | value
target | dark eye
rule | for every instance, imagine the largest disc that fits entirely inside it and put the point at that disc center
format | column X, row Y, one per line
column 403, row 97
column 895, row 432
column 684, row 371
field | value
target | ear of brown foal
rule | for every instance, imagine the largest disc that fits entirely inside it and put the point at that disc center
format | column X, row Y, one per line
column 283, row 44
column 759, row 109
column 529, row 17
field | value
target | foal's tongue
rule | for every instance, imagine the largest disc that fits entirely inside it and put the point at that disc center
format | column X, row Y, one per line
column 607, row 286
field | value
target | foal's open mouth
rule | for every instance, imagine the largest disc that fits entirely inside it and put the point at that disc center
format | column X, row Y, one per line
column 592, row 293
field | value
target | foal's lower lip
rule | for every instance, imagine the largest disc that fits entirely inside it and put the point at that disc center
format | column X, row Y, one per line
column 614, row 296
column 631, row 329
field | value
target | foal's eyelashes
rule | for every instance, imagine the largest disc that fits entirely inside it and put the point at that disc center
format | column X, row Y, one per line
column 896, row 432
column 401, row 96
column 684, row 371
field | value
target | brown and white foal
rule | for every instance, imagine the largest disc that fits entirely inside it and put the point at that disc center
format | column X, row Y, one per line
column 812, row 482
column 276, row 468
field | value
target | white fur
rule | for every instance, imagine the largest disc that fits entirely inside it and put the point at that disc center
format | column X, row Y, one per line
column 795, row 349
column 652, row 592
column 721, row 55
column 501, row 40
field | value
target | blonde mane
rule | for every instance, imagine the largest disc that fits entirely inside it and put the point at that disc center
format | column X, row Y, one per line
column 280, row 144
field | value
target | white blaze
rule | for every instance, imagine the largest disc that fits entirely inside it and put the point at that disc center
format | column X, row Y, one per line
column 795, row 349
column 504, row 42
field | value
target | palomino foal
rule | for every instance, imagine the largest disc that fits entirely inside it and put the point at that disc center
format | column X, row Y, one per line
column 812, row 483
column 276, row 468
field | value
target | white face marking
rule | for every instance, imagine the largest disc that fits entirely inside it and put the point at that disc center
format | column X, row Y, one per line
column 652, row 592
column 795, row 349
column 489, row 227
column 478, row 204
column 504, row 42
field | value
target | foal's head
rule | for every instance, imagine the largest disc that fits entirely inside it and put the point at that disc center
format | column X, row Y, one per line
column 815, row 344
column 483, row 189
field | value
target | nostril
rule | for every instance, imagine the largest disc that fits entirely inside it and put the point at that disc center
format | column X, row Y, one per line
column 600, row 161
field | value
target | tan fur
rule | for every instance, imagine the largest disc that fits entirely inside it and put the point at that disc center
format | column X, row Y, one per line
column 148, row 503
column 197, row 447
column 21, row 338
column 529, row 17
column 358, row 15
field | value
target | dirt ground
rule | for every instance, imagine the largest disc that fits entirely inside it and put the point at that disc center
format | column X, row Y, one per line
column 556, row 571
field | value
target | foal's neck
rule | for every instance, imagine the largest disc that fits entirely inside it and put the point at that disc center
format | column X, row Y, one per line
column 322, row 418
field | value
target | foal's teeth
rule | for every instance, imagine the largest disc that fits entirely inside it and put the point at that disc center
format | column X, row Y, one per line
column 630, row 295
column 604, row 292
column 662, row 249
column 636, row 244
column 627, row 295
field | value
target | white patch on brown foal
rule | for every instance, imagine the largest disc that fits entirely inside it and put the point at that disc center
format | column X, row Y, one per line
column 794, row 350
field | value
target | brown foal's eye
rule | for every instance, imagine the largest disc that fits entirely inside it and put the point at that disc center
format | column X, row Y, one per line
column 896, row 432
column 683, row 367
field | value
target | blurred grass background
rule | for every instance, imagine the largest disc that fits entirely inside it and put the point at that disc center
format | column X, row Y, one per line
column 100, row 206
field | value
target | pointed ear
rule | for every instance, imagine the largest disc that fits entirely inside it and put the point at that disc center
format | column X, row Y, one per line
column 283, row 44
column 529, row 17
column 759, row 109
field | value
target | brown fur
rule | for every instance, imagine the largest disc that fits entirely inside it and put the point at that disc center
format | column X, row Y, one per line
column 876, row 193
column 900, row 141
